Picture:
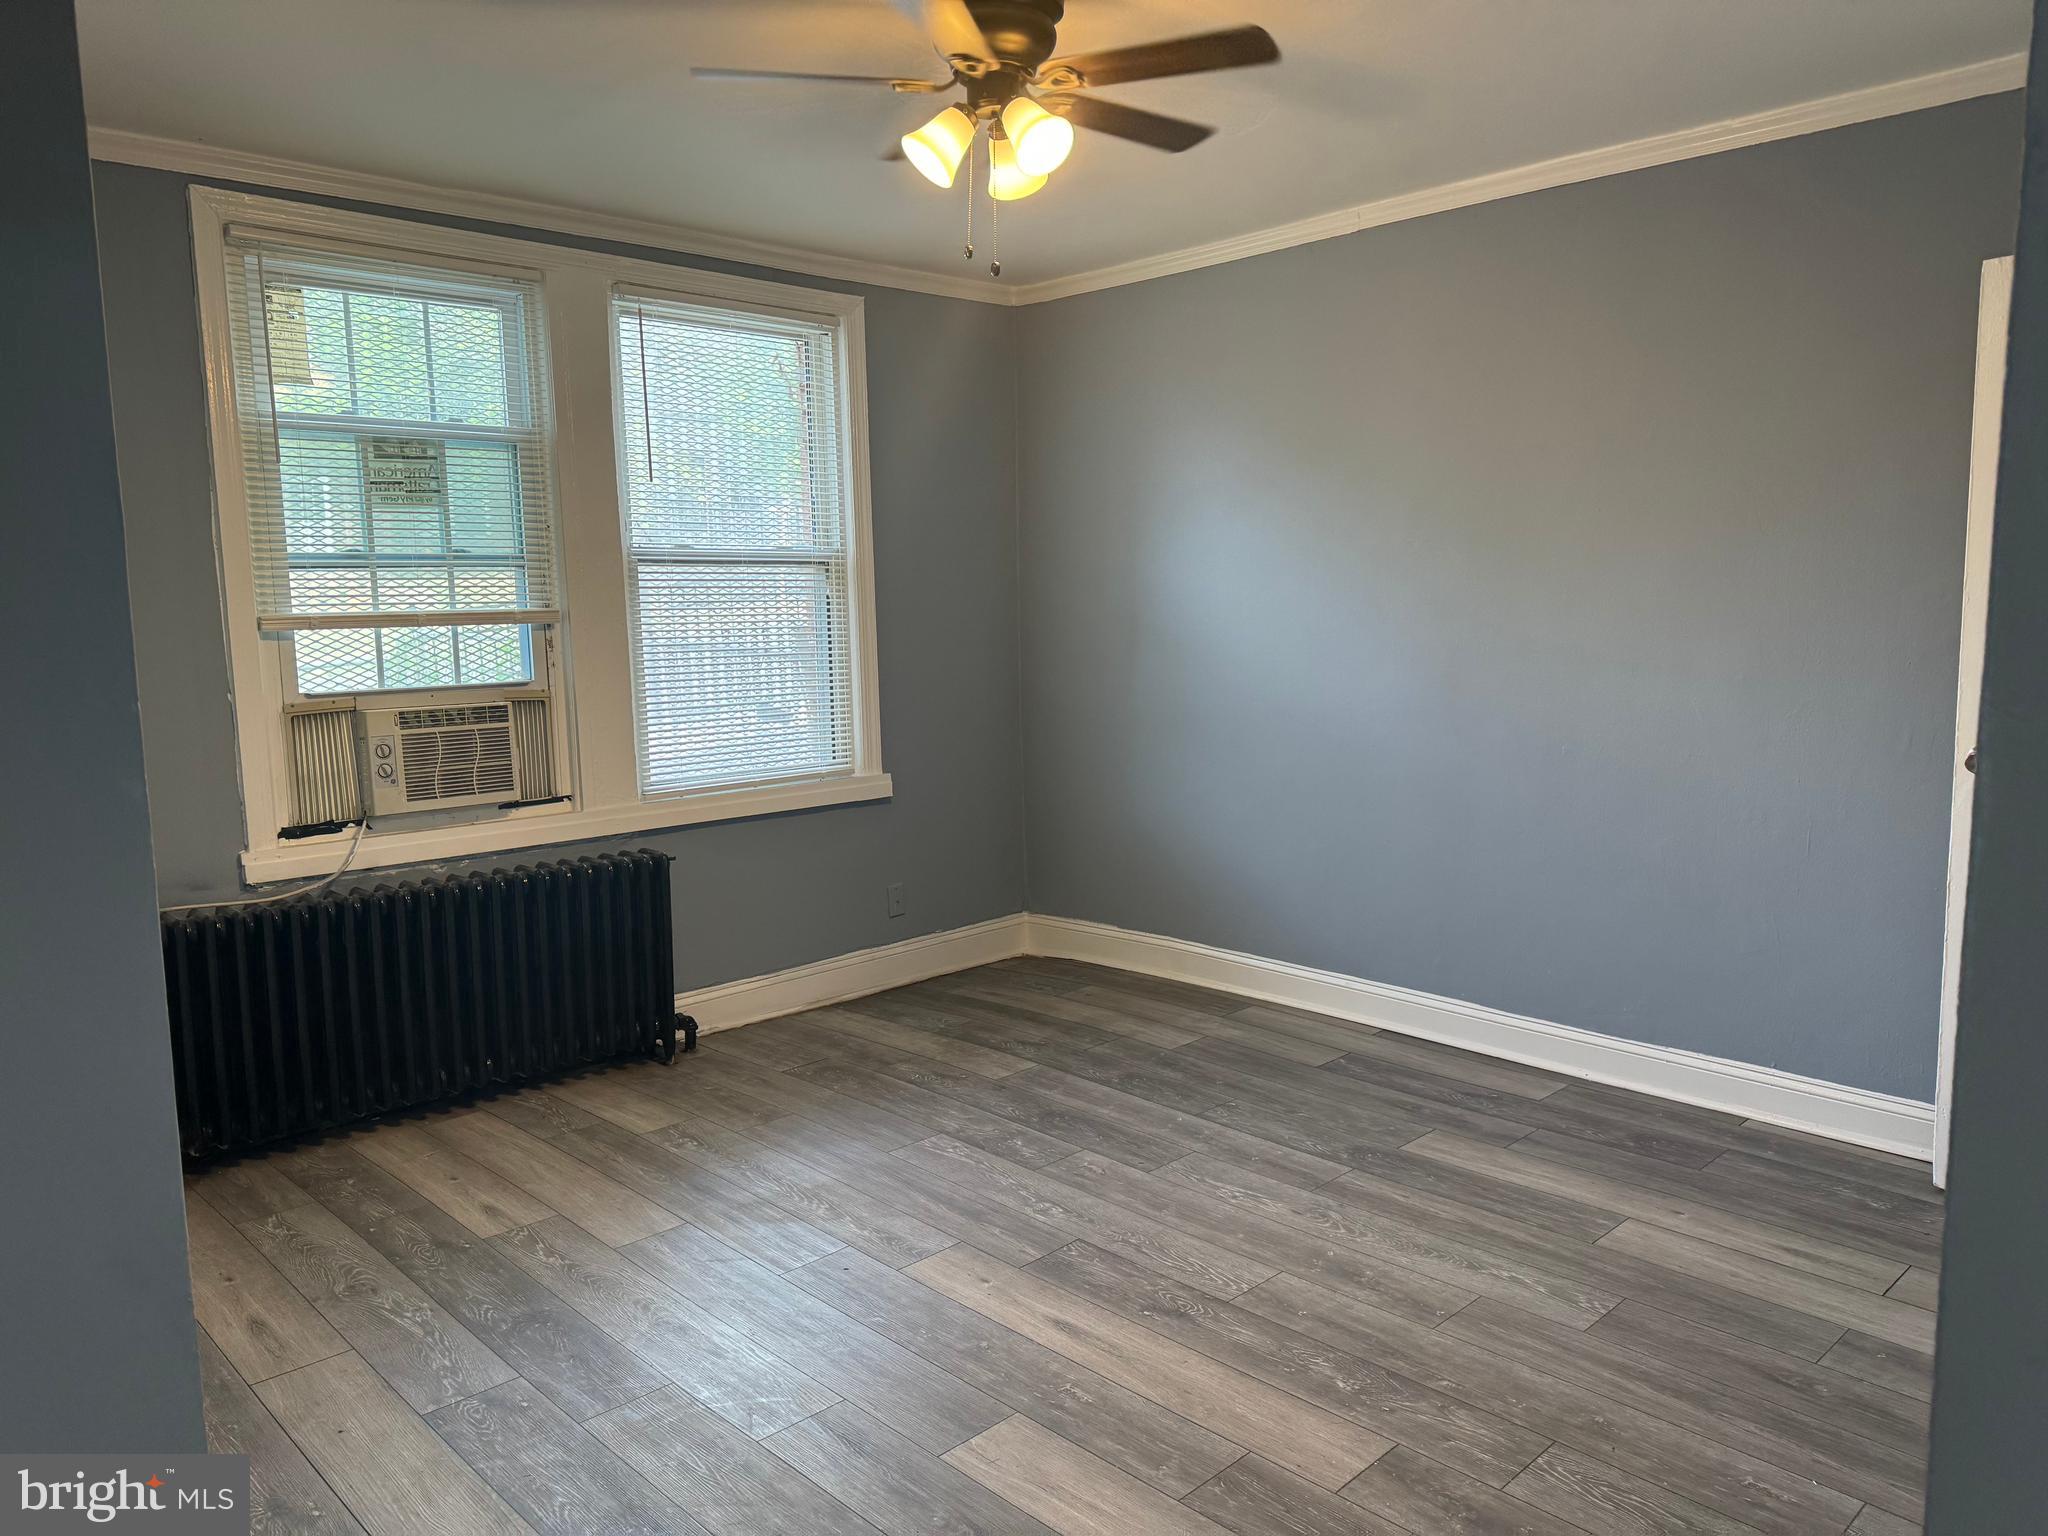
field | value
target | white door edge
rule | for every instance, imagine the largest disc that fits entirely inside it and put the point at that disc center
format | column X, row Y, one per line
column 1994, row 306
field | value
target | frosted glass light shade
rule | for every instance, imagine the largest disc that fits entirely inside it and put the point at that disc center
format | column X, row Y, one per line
column 1007, row 180
column 1043, row 141
column 940, row 145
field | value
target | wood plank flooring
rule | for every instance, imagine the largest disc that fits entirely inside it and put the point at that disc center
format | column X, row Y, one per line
column 1043, row 1247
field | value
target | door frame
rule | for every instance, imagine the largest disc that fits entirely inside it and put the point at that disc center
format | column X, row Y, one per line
column 1994, row 310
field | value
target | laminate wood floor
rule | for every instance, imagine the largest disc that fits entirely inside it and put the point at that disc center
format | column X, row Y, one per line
column 1045, row 1247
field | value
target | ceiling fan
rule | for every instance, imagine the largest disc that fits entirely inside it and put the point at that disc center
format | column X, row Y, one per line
column 1001, row 53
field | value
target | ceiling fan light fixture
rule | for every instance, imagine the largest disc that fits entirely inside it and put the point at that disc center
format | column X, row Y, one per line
column 940, row 145
column 1007, row 180
column 1043, row 140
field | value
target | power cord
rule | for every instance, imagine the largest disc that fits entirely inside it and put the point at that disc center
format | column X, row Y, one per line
column 312, row 889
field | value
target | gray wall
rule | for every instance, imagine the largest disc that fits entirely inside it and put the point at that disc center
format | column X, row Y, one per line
column 1991, row 1375
column 97, row 1347
column 1550, row 604
column 751, row 897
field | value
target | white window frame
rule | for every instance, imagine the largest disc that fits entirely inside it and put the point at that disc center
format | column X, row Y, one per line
column 585, row 659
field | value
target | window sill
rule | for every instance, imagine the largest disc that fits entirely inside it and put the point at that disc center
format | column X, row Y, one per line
column 541, row 826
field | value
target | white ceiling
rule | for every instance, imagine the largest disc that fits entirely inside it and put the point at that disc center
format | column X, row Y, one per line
column 588, row 104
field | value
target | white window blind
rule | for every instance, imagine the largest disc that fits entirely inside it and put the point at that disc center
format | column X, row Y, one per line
column 394, row 433
column 731, row 463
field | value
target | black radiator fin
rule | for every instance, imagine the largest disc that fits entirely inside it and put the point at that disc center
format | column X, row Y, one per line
column 308, row 1014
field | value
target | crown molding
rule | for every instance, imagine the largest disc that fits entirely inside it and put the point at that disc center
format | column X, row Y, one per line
column 273, row 172
column 1986, row 78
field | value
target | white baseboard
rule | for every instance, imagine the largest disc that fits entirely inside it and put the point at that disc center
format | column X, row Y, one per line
column 856, row 975
column 1857, row 1115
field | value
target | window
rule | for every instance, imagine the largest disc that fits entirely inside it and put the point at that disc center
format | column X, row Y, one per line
column 631, row 495
column 730, row 449
column 395, row 460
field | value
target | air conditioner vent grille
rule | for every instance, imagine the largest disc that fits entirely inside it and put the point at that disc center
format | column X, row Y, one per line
column 458, row 761
column 534, row 743
column 321, row 744
column 448, row 715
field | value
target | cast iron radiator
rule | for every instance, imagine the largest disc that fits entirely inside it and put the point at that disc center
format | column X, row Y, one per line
column 301, row 1015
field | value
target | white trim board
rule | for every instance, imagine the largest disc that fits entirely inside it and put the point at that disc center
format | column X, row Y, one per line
column 1994, row 321
column 1941, row 88
column 1857, row 1115
column 865, row 971
column 1904, row 1126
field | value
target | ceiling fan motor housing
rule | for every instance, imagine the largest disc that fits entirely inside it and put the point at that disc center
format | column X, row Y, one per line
column 1020, row 32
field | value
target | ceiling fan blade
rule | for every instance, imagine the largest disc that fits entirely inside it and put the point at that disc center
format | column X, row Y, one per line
column 751, row 76
column 950, row 25
column 1172, row 134
column 1230, row 49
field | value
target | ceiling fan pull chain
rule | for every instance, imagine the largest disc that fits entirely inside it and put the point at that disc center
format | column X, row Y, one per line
column 970, row 203
column 995, row 244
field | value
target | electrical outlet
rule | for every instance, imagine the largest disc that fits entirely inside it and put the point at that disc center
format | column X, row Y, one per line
column 894, row 893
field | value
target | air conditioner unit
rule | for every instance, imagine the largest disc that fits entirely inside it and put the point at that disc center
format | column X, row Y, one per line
column 431, row 754
column 438, row 756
